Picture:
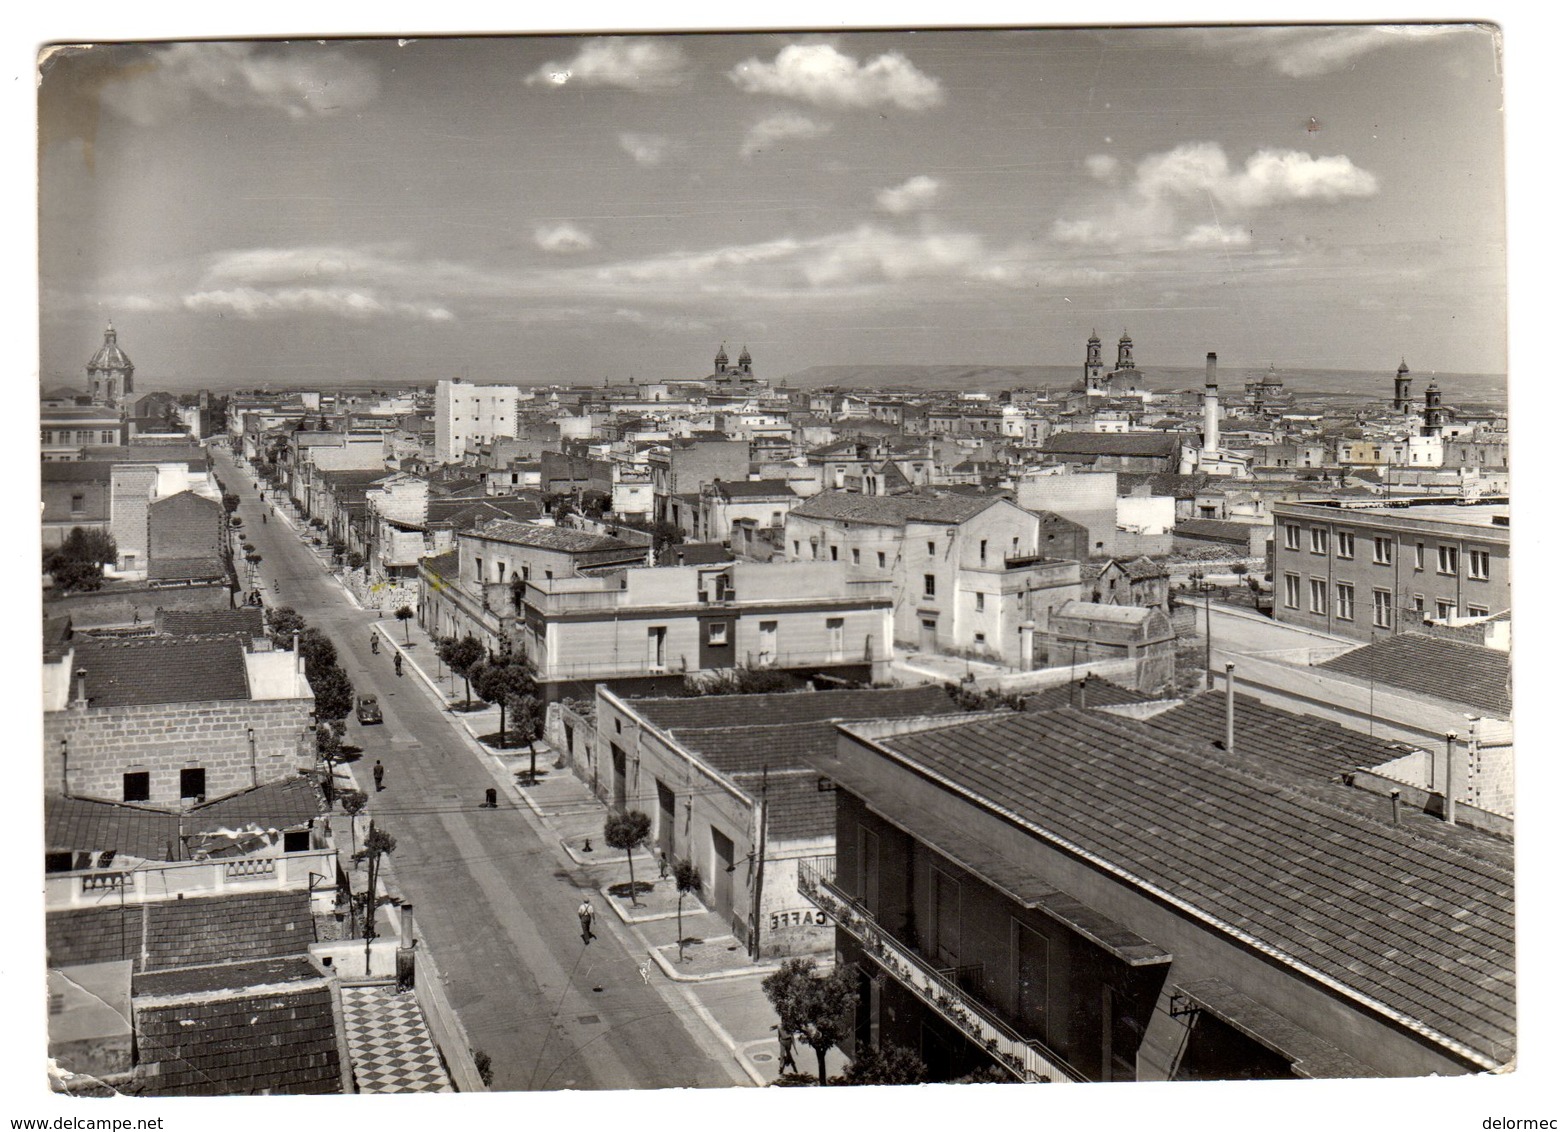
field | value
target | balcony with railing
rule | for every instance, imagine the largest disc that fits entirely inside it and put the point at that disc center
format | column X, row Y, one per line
column 951, row 992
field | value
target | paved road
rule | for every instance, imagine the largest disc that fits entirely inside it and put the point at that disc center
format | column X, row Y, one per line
column 494, row 899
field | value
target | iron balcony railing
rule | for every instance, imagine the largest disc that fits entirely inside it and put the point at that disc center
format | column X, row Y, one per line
column 943, row 989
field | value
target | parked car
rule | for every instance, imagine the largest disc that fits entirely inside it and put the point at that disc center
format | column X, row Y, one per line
column 368, row 711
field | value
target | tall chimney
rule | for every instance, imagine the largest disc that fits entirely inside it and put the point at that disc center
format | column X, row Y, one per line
column 1210, row 406
column 1449, row 798
column 1229, row 707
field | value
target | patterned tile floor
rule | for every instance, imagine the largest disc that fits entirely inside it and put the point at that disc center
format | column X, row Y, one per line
column 389, row 1043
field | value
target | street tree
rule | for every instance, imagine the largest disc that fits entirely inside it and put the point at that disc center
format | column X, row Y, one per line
column 378, row 844
column 334, row 693
column 353, row 803
column 527, row 725
column 501, row 681
column 688, row 879
column 819, row 1008
column 462, row 655
column 77, row 563
column 626, row 829
column 282, row 623
column 405, row 615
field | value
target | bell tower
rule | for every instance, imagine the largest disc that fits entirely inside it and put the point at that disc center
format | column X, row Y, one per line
column 1123, row 352
column 1093, row 364
column 1403, row 402
column 109, row 374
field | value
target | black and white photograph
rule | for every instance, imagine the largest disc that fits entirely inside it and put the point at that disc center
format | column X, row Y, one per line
column 799, row 556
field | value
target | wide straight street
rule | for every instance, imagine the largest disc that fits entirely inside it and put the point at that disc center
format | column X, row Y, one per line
column 494, row 898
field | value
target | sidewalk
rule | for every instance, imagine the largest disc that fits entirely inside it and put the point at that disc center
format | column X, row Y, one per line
column 718, row 980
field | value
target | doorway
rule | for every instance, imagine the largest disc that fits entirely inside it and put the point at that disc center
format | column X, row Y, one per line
column 666, row 820
column 723, row 874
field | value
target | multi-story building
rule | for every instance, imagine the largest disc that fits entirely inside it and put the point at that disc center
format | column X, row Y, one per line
column 1073, row 896
column 1371, row 570
column 967, row 570
column 684, row 466
column 765, row 502
column 467, row 413
column 663, row 623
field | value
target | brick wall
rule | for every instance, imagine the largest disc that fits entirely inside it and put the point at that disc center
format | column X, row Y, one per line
column 162, row 739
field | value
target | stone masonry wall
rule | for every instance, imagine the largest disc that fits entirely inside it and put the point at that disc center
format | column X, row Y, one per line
column 103, row 744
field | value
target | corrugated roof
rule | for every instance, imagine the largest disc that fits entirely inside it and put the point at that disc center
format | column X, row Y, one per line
column 894, row 510
column 1419, row 917
column 161, row 670
column 1471, row 675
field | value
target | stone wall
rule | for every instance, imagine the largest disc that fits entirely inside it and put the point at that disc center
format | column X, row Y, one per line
column 103, row 744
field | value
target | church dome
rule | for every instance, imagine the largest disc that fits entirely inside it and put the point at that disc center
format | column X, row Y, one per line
column 721, row 358
column 745, row 356
column 109, row 355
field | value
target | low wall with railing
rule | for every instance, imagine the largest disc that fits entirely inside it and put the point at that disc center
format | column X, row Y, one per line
column 171, row 880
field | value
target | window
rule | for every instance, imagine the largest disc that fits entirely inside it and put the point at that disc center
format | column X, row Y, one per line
column 655, row 647
column 1480, row 564
column 930, row 549
column 137, row 786
column 78, row 503
column 767, row 641
column 983, row 544
column 1346, row 602
column 854, row 555
column 1346, row 544
column 1382, row 550
column 797, row 548
column 1479, row 611
column 1447, row 560
column 979, row 640
column 193, row 782
column 1444, row 609
column 979, row 603
column 833, row 552
column 1291, row 536
column 1420, row 556
column 717, row 633
column 835, row 638
column 1319, row 540
column 1382, row 608
column 478, row 570
column 1420, row 603
column 1292, row 591
column 930, row 585
column 881, row 559
column 1319, row 596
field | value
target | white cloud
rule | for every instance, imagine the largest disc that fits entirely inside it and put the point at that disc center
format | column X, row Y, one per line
column 1101, row 166
column 635, row 64
column 1191, row 197
column 253, row 303
column 781, row 127
column 1309, row 52
column 645, row 149
column 821, row 74
column 914, row 194
column 297, row 80
column 562, row 238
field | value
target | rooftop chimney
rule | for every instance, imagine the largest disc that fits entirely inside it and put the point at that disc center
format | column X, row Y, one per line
column 1393, row 796
column 1229, row 707
column 1449, row 796
column 81, row 688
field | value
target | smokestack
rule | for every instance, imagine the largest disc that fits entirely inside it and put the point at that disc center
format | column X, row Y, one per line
column 1393, row 796
column 1229, row 707
column 1210, row 406
column 1449, row 799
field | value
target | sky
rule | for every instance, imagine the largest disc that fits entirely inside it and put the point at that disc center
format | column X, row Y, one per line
column 555, row 209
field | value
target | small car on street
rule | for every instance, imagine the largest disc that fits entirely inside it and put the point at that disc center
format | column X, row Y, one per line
column 368, row 710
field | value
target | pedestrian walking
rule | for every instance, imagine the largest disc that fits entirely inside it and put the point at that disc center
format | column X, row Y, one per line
column 379, row 773
column 397, row 663
column 585, row 915
column 786, row 1062
column 663, row 864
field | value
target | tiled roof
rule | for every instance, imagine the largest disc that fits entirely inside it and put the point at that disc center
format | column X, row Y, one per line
column 443, row 565
column 793, row 707
column 162, row 670
column 695, row 554
column 93, row 935
column 1161, row 483
column 1472, row 675
column 186, row 569
column 1092, row 691
column 85, row 826
column 1275, row 739
column 546, row 538
column 218, row 929
column 1112, row 444
column 249, row 1045
column 75, row 471
column 893, row 510
column 1418, row 918
column 796, row 809
column 286, row 804
column 247, row 623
